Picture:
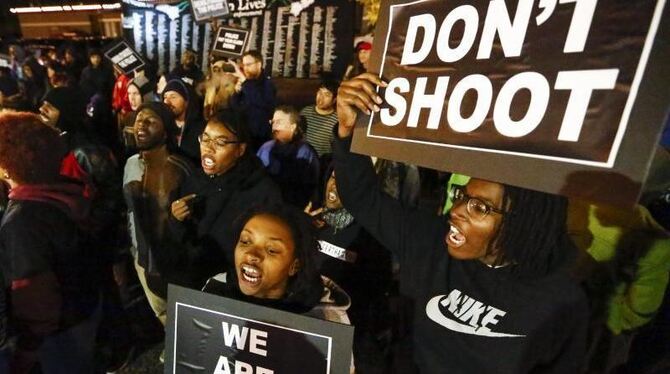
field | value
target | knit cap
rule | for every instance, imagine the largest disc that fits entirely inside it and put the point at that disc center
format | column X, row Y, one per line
column 178, row 86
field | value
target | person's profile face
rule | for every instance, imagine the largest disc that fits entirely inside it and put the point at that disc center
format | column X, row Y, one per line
column 332, row 198
column 283, row 129
column 49, row 114
column 265, row 257
column 149, row 130
column 27, row 71
column 472, row 236
column 134, row 97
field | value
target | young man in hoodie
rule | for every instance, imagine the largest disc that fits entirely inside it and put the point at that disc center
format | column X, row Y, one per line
column 51, row 277
column 148, row 180
column 184, row 104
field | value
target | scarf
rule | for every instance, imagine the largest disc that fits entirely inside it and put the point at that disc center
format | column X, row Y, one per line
column 338, row 219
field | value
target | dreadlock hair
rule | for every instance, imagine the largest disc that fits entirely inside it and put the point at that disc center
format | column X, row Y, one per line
column 533, row 234
column 305, row 287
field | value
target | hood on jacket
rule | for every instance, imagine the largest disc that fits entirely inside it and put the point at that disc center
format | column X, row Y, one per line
column 68, row 197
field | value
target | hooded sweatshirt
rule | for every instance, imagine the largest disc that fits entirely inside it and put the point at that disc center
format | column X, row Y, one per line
column 49, row 274
column 467, row 317
column 219, row 201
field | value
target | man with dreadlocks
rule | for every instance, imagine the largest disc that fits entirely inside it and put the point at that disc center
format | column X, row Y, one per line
column 490, row 286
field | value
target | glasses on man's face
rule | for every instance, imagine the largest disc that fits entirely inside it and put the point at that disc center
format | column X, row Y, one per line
column 216, row 143
column 475, row 207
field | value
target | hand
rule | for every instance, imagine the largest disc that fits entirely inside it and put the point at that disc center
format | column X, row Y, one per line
column 357, row 93
column 318, row 223
column 181, row 208
column 238, row 71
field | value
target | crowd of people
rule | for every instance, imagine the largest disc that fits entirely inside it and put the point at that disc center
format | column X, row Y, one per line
column 203, row 179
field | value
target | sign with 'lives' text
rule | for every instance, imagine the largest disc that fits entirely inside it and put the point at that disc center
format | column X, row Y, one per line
column 563, row 96
column 216, row 335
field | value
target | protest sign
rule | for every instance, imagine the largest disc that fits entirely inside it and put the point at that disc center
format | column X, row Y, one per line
column 124, row 57
column 562, row 96
column 212, row 334
column 230, row 42
column 205, row 10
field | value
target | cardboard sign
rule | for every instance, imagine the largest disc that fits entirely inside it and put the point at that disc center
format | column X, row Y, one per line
column 230, row 42
column 566, row 96
column 205, row 10
column 212, row 334
column 124, row 57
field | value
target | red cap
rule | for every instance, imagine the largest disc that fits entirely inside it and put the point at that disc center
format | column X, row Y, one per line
column 366, row 46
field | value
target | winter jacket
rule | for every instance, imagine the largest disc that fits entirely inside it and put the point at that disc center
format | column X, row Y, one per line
column 207, row 234
column 294, row 167
column 257, row 100
column 627, row 265
column 52, row 278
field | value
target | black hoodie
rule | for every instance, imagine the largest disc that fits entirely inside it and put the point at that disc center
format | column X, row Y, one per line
column 220, row 200
column 468, row 317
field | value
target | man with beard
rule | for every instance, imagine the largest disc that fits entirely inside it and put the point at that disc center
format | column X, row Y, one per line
column 188, row 70
column 183, row 102
column 255, row 97
column 148, row 180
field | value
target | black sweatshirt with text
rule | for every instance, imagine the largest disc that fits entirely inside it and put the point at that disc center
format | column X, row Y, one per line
column 467, row 317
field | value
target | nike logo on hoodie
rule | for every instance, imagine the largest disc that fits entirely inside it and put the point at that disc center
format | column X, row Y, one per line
column 467, row 315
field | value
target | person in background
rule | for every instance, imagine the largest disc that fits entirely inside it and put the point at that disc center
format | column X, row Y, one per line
column 188, row 70
column 220, row 87
column 97, row 77
column 50, row 276
column 139, row 92
column 16, row 60
column 92, row 164
column 229, row 181
column 33, row 84
column 10, row 96
column 72, row 64
column 494, row 277
column 184, row 103
column 290, row 161
column 353, row 259
column 321, row 118
column 361, row 60
column 255, row 97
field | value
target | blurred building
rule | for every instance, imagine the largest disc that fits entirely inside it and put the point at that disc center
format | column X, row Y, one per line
column 56, row 19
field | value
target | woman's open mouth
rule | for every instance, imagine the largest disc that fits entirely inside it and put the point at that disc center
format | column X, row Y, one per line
column 250, row 274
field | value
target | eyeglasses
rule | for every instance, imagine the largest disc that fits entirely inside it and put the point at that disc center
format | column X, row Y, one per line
column 475, row 207
column 216, row 143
